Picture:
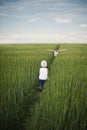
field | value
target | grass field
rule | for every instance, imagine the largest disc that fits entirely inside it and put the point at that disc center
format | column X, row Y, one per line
column 62, row 105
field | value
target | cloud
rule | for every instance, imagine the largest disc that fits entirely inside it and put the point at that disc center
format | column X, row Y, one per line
column 3, row 15
column 33, row 20
column 44, row 38
column 62, row 20
column 28, row 38
column 22, row 36
column 84, row 36
column 83, row 25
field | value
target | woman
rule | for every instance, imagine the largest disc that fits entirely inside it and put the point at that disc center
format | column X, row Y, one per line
column 56, row 51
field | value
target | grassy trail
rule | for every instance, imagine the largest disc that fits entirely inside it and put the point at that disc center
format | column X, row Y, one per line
column 35, row 96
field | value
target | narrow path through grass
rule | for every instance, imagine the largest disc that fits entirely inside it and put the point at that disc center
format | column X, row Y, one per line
column 31, row 99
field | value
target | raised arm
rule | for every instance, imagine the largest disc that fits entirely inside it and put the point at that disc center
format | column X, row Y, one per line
column 49, row 50
column 61, row 50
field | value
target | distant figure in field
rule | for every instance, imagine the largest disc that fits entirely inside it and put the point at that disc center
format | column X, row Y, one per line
column 43, row 74
column 56, row 51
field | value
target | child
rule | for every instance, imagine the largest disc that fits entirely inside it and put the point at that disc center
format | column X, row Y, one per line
column 43, row 74
column 56, row 51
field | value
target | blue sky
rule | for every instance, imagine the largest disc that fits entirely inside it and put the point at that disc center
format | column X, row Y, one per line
column 43, row 21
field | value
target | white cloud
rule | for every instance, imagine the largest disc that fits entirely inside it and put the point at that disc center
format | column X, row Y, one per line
column 62, row 20
column 83, row 25
column 3, row 15
column 84, row 36
column 33, row 20
column 44, row 38
column 28, row 38
column 22, row 36
column 21, row 8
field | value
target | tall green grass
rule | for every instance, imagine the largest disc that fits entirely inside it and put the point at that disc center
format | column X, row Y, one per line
column 19, row 66
column 63, row 103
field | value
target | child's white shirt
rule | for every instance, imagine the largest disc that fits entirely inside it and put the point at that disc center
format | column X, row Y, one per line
column 55, row 53
column 43, row 74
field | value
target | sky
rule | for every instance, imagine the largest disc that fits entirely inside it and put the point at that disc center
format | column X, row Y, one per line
column 43, row 21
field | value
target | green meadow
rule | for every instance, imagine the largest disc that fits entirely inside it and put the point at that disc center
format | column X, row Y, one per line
column 62, row 105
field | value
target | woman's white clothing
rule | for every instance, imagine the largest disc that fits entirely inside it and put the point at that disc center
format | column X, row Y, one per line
column 55, row 53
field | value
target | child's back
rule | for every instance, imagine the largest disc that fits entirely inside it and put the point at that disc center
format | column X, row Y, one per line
column 43, row 74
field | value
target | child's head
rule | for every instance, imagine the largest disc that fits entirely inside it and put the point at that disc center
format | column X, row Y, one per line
column 56, row 49
column 44, row 63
